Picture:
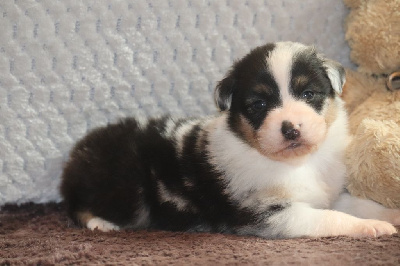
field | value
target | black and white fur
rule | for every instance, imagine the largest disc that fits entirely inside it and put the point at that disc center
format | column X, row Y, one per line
column 270, row 164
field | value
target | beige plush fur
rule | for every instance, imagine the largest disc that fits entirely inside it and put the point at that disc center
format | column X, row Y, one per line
column 373, row 33
column 373, row 156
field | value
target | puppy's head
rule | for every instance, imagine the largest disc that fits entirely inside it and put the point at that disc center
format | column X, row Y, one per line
column 281, row 99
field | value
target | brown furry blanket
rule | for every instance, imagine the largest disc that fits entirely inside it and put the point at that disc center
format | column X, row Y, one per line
column 43, row 235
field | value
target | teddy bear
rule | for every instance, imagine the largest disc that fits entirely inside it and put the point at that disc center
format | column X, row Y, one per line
column 372, row 99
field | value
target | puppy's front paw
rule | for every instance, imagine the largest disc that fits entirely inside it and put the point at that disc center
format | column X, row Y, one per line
column 102, row 225
column 373, row 228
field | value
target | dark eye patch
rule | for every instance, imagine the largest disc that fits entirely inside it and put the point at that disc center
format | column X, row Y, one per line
column 313, row 94
column 256, row 104
column 256, row 91
column 260, row 98
column 309, row 77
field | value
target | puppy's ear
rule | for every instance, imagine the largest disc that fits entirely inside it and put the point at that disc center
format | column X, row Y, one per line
column 223, row 92
column 336, row 74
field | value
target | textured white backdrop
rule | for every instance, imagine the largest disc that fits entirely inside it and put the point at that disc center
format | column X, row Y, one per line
column 69, row 66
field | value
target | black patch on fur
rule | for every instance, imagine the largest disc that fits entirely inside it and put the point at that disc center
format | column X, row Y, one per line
column 114, row 172
column 98, row 176
column 248, row 83
column 208, row 191
column 307, row 64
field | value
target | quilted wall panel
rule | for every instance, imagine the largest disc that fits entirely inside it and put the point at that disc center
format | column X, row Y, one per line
column 69, row 66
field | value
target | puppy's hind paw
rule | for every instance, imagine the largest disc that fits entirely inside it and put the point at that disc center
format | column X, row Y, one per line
column 101, row 224
column 374, row 228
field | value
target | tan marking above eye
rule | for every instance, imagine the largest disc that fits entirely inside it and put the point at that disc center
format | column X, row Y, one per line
column 301, row 81
column 262, row 89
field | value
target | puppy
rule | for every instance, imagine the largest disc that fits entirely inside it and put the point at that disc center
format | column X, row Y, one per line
column 270, row 164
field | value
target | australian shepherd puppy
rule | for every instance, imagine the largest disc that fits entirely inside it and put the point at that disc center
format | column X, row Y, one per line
column 269, row 164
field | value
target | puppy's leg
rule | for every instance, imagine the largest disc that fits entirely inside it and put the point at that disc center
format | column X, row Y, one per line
column 366, row 209
column 301, row 220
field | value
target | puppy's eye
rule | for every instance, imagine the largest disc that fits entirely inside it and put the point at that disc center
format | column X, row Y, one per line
column 258, row 105
column 308, row 95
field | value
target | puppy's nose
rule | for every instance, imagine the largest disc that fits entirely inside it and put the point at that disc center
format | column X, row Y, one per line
column 288, row 131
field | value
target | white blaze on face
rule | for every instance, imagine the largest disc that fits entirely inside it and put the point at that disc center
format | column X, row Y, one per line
column 280, row 62
column 312, row 126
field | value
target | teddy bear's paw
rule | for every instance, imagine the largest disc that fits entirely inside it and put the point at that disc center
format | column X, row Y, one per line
column 392, row 216
column 373, row 228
